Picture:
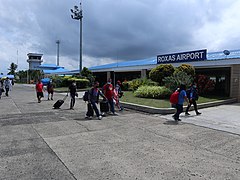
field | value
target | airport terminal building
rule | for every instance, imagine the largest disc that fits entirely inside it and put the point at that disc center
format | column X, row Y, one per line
column 222, row 67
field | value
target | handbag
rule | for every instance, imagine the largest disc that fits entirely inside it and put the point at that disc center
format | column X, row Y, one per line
column 2, row 90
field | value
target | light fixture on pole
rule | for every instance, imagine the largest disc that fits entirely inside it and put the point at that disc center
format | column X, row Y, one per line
column 77, row 15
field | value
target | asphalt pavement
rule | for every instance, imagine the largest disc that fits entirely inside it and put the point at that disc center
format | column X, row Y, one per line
column 38, row 142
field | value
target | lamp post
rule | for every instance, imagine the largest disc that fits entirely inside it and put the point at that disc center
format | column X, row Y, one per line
column 77, row 15
column 58, row 42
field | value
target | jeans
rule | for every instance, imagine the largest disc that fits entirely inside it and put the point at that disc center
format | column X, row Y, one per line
column 179, row 108
column 72, row 103
column 94, row 105
column 193, row 101
column 7, row 90
column 111, row 103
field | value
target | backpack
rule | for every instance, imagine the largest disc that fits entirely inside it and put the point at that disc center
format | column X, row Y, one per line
column 174, row 97
column 85, row 96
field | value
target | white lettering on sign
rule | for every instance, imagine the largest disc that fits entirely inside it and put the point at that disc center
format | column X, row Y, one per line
column 188, row 56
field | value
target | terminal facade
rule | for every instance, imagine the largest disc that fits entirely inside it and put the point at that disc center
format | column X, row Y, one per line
column 223, row 69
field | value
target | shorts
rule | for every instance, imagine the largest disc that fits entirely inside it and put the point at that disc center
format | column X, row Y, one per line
column 39, row 94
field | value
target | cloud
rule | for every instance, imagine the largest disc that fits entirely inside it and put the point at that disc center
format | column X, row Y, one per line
column 113, row 31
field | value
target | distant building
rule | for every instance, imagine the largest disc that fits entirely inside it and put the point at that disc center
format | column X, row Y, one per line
column 34, row 60
column 35, row 63
column 52, row 69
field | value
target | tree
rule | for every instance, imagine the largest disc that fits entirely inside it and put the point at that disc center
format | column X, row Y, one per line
column 164, row 70
column 178, row 78
column 34, row 75
column 88, row 74
column 12, row 69
column 187, row 68
column 21, row 76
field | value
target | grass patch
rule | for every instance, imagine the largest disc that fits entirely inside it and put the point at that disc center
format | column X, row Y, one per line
column 162, row 103
column 65, row 89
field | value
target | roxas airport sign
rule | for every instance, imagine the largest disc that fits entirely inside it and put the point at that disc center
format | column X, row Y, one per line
column 199, row 55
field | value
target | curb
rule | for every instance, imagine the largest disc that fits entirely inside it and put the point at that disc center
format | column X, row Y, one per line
column 163, row 111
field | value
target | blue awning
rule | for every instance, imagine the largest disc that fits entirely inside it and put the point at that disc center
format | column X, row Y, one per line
column 55, row 71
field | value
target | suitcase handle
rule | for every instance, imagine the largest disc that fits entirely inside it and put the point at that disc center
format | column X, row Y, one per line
column 65, row 97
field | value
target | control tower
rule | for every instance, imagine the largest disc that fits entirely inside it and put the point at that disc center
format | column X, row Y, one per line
column 34, row 60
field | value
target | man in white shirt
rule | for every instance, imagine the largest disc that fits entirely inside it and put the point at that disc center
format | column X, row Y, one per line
column 8, row 86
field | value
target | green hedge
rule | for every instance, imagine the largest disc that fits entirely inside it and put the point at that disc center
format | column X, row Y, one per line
column 81, row 83
column 134, row 84
column 156, row 92
column 65, row 81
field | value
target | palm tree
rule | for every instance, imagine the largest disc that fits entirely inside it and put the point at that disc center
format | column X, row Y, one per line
column 12, row 69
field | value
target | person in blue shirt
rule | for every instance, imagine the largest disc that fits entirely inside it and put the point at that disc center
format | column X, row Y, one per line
column 192, row 95
column 93, row 98
column 179, row 106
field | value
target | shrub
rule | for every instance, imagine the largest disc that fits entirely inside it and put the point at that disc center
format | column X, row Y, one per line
column 81, row 83
column 156, row 92
column 125, row 86
column 134, row 84
column 65, row 81
column 187, row 68
column 164, row 70
column 205, row 84
column 177, row 79
column 57, row 80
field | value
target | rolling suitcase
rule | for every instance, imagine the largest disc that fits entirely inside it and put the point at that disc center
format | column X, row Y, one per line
column 89, row 110
column 59, row 102
column 104, row 106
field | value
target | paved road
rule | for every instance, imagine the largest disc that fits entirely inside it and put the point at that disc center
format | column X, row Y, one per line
column 38, row 142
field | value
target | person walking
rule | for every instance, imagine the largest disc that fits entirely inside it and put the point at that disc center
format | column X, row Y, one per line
column 179, row 106
column 118, row 94
column 50, row 89
column 108, row 93
column 39, row 90
column 192, row 94
column 73, row 93
column 1, row 88
column 8, row 86
column 93, row 99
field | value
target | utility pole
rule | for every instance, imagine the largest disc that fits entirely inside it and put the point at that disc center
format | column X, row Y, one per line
column 58, row 42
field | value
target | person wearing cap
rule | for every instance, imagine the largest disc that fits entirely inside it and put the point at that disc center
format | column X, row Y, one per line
column 93, row 98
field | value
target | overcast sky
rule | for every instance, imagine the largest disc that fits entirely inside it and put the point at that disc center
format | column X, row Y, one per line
column 114, row 30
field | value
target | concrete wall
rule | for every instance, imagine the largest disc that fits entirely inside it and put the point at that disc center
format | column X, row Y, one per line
column 235, row 82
